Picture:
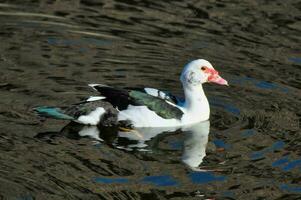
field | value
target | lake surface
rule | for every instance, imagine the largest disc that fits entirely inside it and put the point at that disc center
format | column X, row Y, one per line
column 51, row 50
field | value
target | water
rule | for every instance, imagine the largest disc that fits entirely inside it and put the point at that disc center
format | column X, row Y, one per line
column 50, row 51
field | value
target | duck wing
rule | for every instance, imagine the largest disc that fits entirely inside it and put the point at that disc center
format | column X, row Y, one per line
column 121, row 98
column 167, row 96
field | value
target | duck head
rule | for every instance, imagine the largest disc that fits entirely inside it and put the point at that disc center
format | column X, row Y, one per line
column 200, row 71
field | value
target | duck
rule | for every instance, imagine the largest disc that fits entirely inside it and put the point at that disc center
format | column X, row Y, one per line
column 144, row 107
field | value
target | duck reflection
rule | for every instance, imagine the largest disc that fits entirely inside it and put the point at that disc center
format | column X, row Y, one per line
column 147, row 139
column 195, row 143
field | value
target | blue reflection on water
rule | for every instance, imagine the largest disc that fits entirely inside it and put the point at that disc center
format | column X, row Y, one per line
column 292, row 165
column 265, row 85
column 221, row 144
column 228, row 107
column 290, row 188
column 163, row 180
column 285, row 164
column 259, row 84
column 110, row 180
column 295, row 60
column 260, row 154
column 204, row 177
column 281, row 161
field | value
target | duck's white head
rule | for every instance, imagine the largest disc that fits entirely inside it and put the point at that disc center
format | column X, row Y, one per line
column 200, row 71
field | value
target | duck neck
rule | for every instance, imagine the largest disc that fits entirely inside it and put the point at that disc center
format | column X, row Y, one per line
column 196, row 102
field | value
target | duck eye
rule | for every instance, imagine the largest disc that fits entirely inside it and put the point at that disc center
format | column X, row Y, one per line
column 203, row 68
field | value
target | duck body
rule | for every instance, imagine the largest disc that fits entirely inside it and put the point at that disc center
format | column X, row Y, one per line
column 146, row 107
column 167, row 112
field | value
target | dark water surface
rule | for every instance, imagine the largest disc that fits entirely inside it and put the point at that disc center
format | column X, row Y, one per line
column 50, row 50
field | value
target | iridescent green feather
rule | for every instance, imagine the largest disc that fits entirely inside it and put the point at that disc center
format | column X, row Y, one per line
column 158, row 105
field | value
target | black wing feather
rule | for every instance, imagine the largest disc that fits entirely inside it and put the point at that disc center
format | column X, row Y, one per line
column 117, row 97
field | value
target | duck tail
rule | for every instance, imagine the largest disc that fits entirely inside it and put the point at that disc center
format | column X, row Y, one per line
column 52, row 112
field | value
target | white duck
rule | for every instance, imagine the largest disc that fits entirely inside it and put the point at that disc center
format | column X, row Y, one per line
column 146, row 107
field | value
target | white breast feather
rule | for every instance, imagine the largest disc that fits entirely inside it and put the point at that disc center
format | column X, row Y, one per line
column 141, row 116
